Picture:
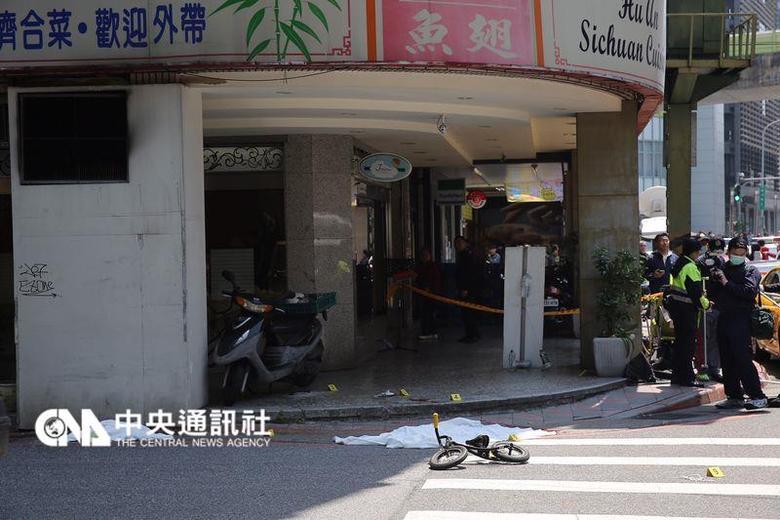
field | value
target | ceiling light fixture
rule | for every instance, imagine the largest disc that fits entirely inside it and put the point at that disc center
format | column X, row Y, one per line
column 283, row 92
column 465, row 98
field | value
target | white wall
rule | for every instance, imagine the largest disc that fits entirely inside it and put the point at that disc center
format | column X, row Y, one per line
column 128, row 328
column 708, row 198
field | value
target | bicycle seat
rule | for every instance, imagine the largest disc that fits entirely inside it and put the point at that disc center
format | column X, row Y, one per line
column 480, row 441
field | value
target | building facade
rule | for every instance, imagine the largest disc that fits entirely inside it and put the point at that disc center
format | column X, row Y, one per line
column 747, row 129
column 142, row 162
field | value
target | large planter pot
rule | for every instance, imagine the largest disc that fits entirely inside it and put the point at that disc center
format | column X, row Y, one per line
column 611, row 355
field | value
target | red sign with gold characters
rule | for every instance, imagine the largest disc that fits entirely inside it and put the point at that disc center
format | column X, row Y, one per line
column 476, row 199
column 459, row 31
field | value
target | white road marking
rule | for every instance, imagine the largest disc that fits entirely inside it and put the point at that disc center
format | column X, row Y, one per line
column 657, row 461
column 462, row 515
column 663, row 441
column 713, row 488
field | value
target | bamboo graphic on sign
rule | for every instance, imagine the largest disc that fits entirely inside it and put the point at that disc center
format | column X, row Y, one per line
column 285, row 31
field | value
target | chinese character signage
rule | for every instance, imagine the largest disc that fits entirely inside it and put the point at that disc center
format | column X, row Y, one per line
column 622, row 39
column 460, row 31
column 617, row 39
column 109, row 32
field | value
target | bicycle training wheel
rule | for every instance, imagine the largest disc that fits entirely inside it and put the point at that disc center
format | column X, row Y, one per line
column 510, row 452
column 449, row 457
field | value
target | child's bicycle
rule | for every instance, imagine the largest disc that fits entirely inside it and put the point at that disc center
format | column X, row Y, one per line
column 451, row 453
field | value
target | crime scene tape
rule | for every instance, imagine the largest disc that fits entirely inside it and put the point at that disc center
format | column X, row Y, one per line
column 460, row 303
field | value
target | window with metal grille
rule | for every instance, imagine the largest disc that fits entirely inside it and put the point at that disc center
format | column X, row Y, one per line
column 71, row 137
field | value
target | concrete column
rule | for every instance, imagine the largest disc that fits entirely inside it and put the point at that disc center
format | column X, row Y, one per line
column 318, row 221
column 607, row 188
column 678, row 145
column 127, row 329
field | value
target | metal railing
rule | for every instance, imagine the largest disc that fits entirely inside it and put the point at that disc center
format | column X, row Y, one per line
column 722, row 38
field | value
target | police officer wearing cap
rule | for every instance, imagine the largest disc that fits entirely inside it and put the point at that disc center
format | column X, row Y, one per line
column 685, row 301
column 734, row 293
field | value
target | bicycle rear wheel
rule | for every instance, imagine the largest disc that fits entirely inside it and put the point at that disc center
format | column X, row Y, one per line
column 510, row 452
column 449, row 457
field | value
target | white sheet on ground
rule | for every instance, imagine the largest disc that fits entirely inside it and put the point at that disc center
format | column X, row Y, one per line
column 119, row 433
column 423, row 436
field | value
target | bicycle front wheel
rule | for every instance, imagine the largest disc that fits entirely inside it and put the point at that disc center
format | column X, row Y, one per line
column 449, row 457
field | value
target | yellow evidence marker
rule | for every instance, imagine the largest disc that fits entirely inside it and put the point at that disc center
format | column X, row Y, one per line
column 715, row 472
column 332, row 388
column 455, row 397
column 403, row 392
column 514, row 438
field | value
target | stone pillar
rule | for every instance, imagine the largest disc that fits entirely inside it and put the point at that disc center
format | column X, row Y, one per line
column 678, row 173
column 318, row 221
column 607, row 188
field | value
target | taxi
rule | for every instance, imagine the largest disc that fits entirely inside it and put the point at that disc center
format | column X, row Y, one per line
column 770, row 301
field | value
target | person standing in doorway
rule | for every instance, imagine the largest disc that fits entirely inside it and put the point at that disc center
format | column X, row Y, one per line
column 685, row 302
column 735, row 293
column 428, row 279
column 468, row 271
column 659, row 266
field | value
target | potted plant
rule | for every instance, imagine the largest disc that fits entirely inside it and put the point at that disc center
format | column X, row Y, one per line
column 618, row 302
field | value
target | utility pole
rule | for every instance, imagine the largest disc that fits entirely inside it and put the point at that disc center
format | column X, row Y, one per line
column 762, row 207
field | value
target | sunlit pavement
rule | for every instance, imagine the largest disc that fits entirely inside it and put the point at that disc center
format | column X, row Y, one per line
column 303, row 474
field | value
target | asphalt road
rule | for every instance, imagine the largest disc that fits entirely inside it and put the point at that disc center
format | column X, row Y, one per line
column 302, row 474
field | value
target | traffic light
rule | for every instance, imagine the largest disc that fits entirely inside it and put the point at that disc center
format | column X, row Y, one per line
column 737, row 193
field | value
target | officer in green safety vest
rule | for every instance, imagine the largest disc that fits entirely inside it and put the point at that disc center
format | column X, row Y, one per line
column 685, row 301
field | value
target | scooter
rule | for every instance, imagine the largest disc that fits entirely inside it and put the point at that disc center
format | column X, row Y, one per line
column 270, row 341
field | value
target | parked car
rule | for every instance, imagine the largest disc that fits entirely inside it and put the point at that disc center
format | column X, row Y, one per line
column 771, row 301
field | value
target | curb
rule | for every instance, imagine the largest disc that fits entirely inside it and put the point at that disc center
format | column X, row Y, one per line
column 5, row 429
column 708, row 395
column 297, row 415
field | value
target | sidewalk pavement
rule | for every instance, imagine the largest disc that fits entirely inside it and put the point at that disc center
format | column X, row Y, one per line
column 438, row 369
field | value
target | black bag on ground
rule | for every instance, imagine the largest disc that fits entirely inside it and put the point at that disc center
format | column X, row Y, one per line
column 639, row 370
column 762, row 323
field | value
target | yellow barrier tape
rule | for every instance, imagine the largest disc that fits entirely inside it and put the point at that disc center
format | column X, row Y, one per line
column 651, row 297
column 460, row 303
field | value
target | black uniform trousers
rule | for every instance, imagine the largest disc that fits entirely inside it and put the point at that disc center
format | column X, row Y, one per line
column 685, row 318
column 736, row 356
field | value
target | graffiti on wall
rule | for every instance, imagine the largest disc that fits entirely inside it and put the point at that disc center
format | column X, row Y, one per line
column 34, row 281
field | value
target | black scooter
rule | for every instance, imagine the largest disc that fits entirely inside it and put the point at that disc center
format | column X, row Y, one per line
column 270, row 341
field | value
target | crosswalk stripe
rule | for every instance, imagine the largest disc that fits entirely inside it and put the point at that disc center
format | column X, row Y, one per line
column 663, row 441
column 605, row 487
column 464, row 515
column 657, row 461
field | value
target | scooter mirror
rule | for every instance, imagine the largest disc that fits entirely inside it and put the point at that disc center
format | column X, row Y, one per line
column 229, row 276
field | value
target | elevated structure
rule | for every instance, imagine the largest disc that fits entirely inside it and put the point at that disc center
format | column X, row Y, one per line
column 707, row 50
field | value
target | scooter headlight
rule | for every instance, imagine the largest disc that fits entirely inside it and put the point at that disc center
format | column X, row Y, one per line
column 253, row 307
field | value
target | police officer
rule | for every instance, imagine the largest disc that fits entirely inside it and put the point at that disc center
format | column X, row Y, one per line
column 734, row 294
column 712, row 260
column 685, row 301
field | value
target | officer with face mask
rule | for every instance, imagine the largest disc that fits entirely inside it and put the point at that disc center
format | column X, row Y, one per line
column 734, row 293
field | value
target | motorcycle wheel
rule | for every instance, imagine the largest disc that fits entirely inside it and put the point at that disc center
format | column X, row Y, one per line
column 510, row 452
column 309, row 367
column 235, row 380
column 447, row 458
